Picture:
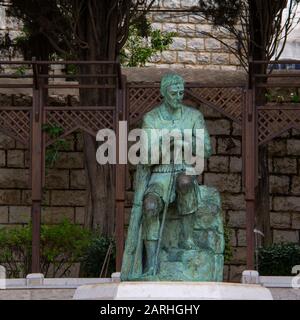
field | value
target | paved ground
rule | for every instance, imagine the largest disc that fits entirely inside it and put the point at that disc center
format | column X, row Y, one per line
column 67, row 294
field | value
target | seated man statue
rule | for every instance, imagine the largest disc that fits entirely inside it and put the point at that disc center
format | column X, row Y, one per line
column 175, row 230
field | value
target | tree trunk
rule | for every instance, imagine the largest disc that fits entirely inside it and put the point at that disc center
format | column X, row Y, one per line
column 257, row 51
column 100, row 209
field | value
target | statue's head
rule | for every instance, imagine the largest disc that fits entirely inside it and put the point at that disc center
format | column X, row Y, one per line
column 172, row 89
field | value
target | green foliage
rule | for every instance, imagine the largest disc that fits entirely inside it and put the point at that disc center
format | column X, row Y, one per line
column 282, row 95
column 278, row 259
column 59, row 144
column 62, row 245
column 142, row 43
column 100, row 248
column 228, row 248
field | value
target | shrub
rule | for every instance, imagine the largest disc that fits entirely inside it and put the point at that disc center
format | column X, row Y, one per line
column 62, row 245
column 278, row 259
column 99, row 256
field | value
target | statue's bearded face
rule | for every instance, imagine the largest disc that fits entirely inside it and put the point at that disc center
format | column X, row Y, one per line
column 174, row 95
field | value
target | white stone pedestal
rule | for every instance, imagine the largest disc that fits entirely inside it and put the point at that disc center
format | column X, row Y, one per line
column 172, row 291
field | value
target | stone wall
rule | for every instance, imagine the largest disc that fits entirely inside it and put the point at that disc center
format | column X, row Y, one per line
column 65, row 192
column 190, row 48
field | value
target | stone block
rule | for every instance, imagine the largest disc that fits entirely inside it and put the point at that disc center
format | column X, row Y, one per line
column 285, row 165
column 168, row 56
column 5, row 99
column 14, row 178
column 195, row 44
column 236, row 164
column 54, row 215
column 10, row 197
column 218, row 127
column 236, row 129
column 178, row 44
column 187, row 57
column 78, row 179
column 57, row 179
column 34, row 279
column 187, row 4
column 229, row 146
column 220, row 58
column 228, row 68
column 2, row 158
column 70, row 160
column 79, row 142
column 6, row 142
column 277, row 147
column 3, row 214
column 293, row 147
column 68, row 198
column 280, row 220
column 233, row 239
column 79, row 215
column 233, row 201
column 15, row 158
column 171, row 4
column 286, row 203
column 250, row 277
column 239, row 255
column 241, row 238
column 203, row 29
column 226, row 273
column 234, row 60
column 212, row 44
column 169, row 27
column 218, row 164
column 19, row 214
column 295, row 189
column 204, row 58
column 195, row 18
column 279, row 184
column 285, row 236
column 237, row 219
column 230, row 182
column 186, row 30
column 296, row 220
column 26, row 197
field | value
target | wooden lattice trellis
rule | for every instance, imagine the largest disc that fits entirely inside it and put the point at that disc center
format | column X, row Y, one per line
column 226, row 100
column 15, row 122
column 72, row 119
column 273, row 121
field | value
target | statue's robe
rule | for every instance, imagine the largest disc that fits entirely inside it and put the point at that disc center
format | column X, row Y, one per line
column 132, row 266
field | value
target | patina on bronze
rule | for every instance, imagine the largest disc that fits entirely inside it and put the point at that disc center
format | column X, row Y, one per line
column 176, row 230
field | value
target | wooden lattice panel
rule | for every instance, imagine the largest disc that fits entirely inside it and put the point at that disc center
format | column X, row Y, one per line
column 16, row 124
column 228, row 101
column 142, row 100
column 272, row 123
column 90, row 121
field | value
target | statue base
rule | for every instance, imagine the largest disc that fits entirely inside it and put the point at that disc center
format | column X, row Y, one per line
column 172, row 291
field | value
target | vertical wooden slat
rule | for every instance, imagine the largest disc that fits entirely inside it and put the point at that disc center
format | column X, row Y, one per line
column 120, row 179
column 250, row 158
column 36, row 175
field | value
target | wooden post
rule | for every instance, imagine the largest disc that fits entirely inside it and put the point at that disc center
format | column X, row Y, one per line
column 36, row 169
column 120, row 179
column 250, row 174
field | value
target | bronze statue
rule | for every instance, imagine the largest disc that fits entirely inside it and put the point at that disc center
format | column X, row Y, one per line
column 175, row 230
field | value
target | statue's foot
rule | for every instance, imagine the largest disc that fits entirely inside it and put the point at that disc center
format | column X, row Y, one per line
column 189, row 244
